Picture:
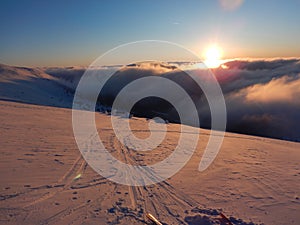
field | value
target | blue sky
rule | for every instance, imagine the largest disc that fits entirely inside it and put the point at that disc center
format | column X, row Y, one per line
column 42, row 33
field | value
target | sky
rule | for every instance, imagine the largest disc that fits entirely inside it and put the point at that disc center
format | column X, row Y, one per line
column 68, row 33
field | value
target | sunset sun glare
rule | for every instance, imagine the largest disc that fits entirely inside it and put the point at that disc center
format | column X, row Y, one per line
column 213, row 57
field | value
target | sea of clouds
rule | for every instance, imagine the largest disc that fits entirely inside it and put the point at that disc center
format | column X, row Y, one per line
column 262, row 96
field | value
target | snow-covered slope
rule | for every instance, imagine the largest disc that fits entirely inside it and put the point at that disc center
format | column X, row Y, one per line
column 32, row 85
column 44, row 179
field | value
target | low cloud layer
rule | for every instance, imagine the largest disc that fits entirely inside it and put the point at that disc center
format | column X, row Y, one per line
column 262, row 96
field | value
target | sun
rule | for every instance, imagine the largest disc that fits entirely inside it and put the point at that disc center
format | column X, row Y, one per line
column 213, row 56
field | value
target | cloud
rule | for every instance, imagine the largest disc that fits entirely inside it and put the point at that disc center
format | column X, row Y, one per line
column 239, row 74
column 277, row 90
column 262, row 96
column 70, row 76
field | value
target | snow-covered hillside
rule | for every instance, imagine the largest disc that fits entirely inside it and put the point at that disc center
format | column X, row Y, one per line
column 45, row 180
column 33, row 85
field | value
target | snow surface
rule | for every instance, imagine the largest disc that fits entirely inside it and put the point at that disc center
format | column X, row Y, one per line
column 45, row 180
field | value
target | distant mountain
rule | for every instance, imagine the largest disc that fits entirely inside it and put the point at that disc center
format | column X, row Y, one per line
column 33, row 85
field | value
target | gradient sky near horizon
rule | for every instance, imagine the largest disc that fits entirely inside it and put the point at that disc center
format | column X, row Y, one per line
column 65, row 33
